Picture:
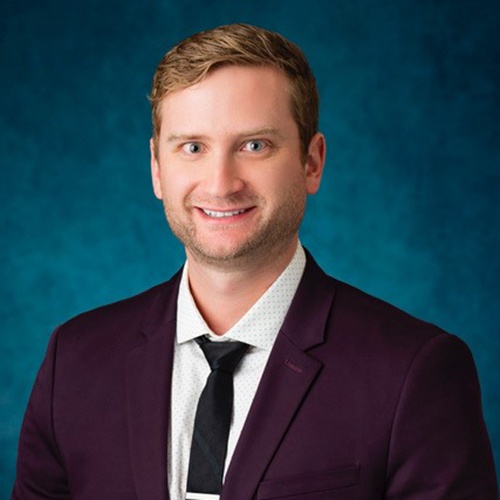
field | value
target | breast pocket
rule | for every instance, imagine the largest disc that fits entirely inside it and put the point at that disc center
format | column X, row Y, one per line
column 316, row 486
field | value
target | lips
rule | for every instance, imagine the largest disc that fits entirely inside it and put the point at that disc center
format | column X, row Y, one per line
column 224, row 214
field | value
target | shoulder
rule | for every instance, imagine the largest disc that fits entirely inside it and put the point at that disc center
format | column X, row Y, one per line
column 370, row 343
column 359, row 313
column 340, row 318
column 120, row 320
column 359, row 305
column 373, row 329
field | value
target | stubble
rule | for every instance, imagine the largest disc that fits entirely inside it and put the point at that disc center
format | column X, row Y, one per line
column 268, row 240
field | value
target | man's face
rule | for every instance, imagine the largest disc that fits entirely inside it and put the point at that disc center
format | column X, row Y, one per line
column 228, row 165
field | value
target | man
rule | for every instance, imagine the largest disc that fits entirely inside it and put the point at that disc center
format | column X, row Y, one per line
column 336, row 394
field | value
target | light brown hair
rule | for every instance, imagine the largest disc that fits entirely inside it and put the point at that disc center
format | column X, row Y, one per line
column 191, row 60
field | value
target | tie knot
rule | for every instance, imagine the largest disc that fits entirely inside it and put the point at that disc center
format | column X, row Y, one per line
column 222, row 356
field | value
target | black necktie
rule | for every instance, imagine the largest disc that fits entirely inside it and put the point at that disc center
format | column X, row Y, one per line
column 213, row 417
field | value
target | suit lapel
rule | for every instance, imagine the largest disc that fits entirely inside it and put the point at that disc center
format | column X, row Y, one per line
column 289, row 375
column 286, row 380
column 148, row 379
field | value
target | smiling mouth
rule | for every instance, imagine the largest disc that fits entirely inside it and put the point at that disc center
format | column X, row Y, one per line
column 217, row 214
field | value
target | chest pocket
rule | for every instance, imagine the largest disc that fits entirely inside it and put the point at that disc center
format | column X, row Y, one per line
column 320, row 485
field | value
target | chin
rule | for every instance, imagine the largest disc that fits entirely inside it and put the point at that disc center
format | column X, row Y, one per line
column 220, row 253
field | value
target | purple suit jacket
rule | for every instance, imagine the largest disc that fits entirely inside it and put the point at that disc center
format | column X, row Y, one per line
column 359, row 400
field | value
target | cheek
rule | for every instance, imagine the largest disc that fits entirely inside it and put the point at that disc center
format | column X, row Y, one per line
column 278, row 180
column 176, row 184
column 290, row 177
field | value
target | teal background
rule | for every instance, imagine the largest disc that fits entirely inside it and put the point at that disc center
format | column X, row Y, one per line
column 408, row 209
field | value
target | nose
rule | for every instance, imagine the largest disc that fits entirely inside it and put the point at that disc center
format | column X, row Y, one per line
column 223, row 177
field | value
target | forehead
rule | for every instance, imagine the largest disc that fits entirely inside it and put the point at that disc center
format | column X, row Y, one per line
column 230, row 97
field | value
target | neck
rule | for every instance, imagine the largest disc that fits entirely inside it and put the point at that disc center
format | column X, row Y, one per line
column 224, row 294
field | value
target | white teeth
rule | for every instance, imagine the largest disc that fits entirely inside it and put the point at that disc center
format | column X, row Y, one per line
column 213, row 213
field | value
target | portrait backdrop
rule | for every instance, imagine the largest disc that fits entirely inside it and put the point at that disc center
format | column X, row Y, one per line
column 408, row 208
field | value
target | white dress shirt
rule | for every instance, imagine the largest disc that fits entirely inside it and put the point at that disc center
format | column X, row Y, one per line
column 259, row 328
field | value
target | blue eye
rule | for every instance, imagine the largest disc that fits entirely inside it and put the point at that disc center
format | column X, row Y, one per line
column 255, row 146
column 192, row 147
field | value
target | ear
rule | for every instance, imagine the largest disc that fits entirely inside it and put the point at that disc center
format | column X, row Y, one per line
column 315, row 162
column 155, row 171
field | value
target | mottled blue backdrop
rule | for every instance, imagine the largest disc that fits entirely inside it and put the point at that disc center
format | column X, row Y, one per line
column 408, row 210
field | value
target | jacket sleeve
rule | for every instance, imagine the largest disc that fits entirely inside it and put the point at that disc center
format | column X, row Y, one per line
column 439, row 443
column 40, row 468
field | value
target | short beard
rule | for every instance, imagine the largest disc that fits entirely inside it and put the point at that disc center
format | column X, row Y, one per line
column 268, row 242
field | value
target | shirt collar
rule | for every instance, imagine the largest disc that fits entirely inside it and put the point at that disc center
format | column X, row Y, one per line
column 277, row 299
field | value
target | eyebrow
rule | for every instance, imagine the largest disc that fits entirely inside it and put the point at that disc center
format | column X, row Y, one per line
column 249, row 133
